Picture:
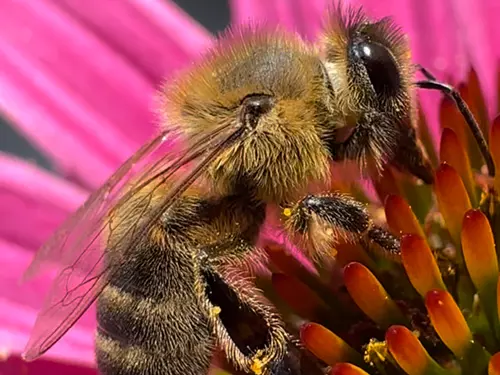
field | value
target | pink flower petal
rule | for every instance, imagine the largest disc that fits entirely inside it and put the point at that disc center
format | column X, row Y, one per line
column 69, row 92
column 272, row 234
column 490, row 10
column 299, row 15
column 14, row 365
column 19, row 306
column 247, row 11
column 33, row 202
column 155, row 36
column 479, row 29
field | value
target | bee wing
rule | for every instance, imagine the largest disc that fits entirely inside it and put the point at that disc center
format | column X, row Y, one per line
column 79, row 243
column 62, row 245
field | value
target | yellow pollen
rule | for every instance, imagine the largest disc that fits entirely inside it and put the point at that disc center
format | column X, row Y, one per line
column 257, row 366
column 287, row 212
column 375, row 351
column 215, row 311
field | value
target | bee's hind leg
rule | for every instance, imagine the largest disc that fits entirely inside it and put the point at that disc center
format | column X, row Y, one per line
column 318, row 222
column 248, row 329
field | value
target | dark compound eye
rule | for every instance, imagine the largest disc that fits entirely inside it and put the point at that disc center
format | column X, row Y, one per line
column 380, row 66
column 254, row 106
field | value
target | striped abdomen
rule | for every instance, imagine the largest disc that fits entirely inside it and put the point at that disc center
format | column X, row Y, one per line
column 150, row 320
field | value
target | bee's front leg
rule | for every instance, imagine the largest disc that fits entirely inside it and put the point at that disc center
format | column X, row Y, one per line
column 318, row 222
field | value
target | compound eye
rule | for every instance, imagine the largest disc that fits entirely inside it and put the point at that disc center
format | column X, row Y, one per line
column 380, row 65
column 253, row 107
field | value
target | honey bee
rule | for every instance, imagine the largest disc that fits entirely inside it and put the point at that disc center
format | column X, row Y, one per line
column 163, row 243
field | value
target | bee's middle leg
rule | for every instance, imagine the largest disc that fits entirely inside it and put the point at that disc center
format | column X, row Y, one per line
column 318, row 222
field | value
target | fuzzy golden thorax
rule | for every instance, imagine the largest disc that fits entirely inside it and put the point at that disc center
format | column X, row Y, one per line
column 273, row 86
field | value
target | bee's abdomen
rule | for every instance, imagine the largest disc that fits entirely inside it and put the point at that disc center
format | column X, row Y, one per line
column 137, row 335
column 149, row 317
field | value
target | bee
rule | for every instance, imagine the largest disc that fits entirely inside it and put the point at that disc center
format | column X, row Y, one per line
column 164, row 244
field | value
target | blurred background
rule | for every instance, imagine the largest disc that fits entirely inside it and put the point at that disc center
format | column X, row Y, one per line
column 213, row 14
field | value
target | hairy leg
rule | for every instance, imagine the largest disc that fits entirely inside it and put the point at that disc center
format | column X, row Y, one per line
column 318, row 222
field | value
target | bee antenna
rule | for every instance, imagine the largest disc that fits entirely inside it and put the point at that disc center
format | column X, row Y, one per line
column 432, row 84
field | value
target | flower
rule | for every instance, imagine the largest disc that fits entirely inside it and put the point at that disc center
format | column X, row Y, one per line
column 436, row 309
column 77, row 80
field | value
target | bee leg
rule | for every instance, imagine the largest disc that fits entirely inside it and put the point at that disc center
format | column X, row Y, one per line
column 318, row 222
column 248, row 329
column 410, row 156
column 432, row 84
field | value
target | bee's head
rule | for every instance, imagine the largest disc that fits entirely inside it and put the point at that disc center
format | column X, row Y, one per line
column 272, row 86
column 370, row 70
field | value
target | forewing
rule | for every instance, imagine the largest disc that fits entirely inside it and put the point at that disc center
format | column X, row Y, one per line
column 66, row 242
column 80, row 244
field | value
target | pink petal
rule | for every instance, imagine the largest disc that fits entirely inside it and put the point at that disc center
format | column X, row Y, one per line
column 15, row 365
column 480, row 33
column 302, row 16
column 157, row 37
column 272, row 234
column 69, row 92
column 33, row 203
column 490, row 11
column 19, row 306
column 247, row 11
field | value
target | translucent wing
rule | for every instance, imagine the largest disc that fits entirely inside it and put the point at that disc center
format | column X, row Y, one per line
column 62, row 245
column 80, row 245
